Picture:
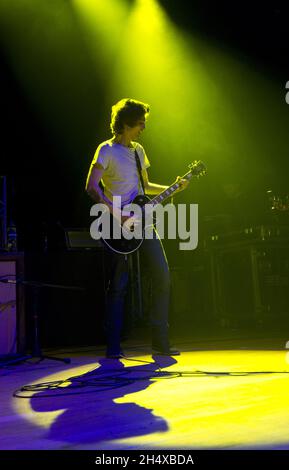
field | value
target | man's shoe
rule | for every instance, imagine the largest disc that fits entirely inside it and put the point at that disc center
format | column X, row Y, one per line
column 167, row 352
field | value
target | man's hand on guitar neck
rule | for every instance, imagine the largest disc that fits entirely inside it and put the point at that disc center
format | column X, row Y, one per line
column 182, row 182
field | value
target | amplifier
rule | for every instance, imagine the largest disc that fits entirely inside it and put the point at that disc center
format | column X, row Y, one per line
column 12, row 319
column 250, row 283
column 77, row 239
column 262, row 233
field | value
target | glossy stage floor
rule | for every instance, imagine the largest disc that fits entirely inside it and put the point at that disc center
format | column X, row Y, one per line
column 218, row 394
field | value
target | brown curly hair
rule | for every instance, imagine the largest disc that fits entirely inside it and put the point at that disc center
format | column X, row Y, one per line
column 127, row 111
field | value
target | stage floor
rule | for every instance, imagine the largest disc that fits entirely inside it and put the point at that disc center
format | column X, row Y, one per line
column 226, row 394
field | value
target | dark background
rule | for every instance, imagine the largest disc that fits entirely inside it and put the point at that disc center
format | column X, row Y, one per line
column 47, row 168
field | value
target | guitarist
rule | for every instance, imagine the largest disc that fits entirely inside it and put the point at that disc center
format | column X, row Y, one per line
column 114, row 172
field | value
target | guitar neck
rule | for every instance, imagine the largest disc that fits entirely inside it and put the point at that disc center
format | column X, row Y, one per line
column 160, row 198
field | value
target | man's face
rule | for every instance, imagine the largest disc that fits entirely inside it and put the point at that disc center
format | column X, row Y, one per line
column 136, row 130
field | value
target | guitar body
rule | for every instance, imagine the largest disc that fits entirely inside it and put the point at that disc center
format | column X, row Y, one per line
column 124, row 246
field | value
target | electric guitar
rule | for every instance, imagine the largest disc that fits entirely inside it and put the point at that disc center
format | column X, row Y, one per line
column 128, row 243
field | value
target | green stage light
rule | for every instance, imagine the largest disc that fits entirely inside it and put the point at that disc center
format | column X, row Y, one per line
column 103, row 23
column 157, row 63
column 76, row 59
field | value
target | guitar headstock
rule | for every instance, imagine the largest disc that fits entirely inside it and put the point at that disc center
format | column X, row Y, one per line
column 198, row 168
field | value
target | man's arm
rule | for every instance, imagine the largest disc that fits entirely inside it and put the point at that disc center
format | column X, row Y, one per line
column 153, row 189
column 92, row 184
column 94, row 191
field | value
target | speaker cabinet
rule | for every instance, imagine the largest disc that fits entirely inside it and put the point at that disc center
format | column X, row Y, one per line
column 250, row 283
column 67, row 316
column 12, row 319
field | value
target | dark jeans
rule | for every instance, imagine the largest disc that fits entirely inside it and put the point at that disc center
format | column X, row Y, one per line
column 152, row 257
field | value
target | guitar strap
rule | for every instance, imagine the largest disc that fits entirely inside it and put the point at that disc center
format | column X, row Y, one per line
column 139, row 170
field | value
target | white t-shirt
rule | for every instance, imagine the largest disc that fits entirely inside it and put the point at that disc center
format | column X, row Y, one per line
column 121, row 177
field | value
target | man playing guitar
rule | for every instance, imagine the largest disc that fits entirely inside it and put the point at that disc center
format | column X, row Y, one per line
column 114, row 171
